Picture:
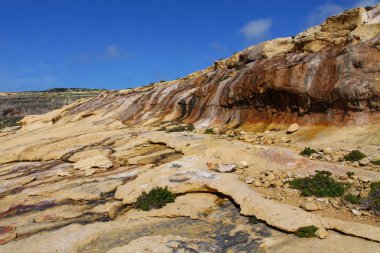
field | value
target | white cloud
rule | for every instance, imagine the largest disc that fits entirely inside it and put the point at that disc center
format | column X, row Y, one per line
column 112, row 52
column 328, row 9
column 256, row 29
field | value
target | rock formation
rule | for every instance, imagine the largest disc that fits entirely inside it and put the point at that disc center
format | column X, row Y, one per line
column 70, row 179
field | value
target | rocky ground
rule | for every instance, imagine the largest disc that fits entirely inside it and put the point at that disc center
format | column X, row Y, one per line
column 74, row 191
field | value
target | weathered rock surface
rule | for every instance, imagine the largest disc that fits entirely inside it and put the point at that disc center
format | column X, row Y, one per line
column 69, row 179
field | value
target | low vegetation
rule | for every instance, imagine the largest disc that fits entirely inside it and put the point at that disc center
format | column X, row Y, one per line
column 354, row 156
column 306, row 232
column 209, row 131
column 189, row 128
column 353, row 199
column 350, row 173
column 253, row 220
column 156, row 198
column 375, row 162
column 372, row 201
column 308, row 151
column 9, row 122
column 320, row 185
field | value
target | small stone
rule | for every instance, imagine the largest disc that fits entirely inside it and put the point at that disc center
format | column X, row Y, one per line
column 364, row 162
column 327, row 151
column 276, row 183
column 356, row 164
column 270, row 177
column 257, row 183
column 266, row 184
column 309, row 206
column 216, row 130
column 211, row 166
column 293, row 128
column 363, row 179
column 321, row 233
column 343, row 177
column 244, row 164
column 226, row 168
column 249, row 180
column 62, row 173
column 356, row 212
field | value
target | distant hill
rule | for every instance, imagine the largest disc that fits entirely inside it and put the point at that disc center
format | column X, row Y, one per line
column 15, row 105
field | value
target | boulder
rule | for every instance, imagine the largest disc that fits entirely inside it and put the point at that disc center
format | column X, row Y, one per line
column 309, row 206
column 293, row 128
column 226, row 168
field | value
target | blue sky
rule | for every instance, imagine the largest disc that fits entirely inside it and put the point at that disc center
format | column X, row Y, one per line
column 116, row 44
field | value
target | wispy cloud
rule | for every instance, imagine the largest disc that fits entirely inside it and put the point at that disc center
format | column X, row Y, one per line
column 322, row 12
column 115, row 52
column 112, row 52
column 256, row 29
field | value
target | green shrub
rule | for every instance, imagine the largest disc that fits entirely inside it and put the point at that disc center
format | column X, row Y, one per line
column 209, row 131
column 372, row 201
column 354, row 155
column 221, row 79
column 190, row 128
column 376, row 162
column 350, row 173
column 9, row 122
column 253, row 220
column 306, row 232
column 308, row 151
column 320, row 185
column 157, row 198
column 354, row 199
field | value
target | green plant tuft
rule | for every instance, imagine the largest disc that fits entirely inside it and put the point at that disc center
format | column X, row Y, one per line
column 9, row 122
column 157, row 198
column 209, row 131
column 350, row 173
column 306, row 232
column 354, row 156
column 253, row 220
column 353, row 199
column 375, row 162
column 320, row 185
column 372, row 201
column 308, row 151
column 190, row 128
